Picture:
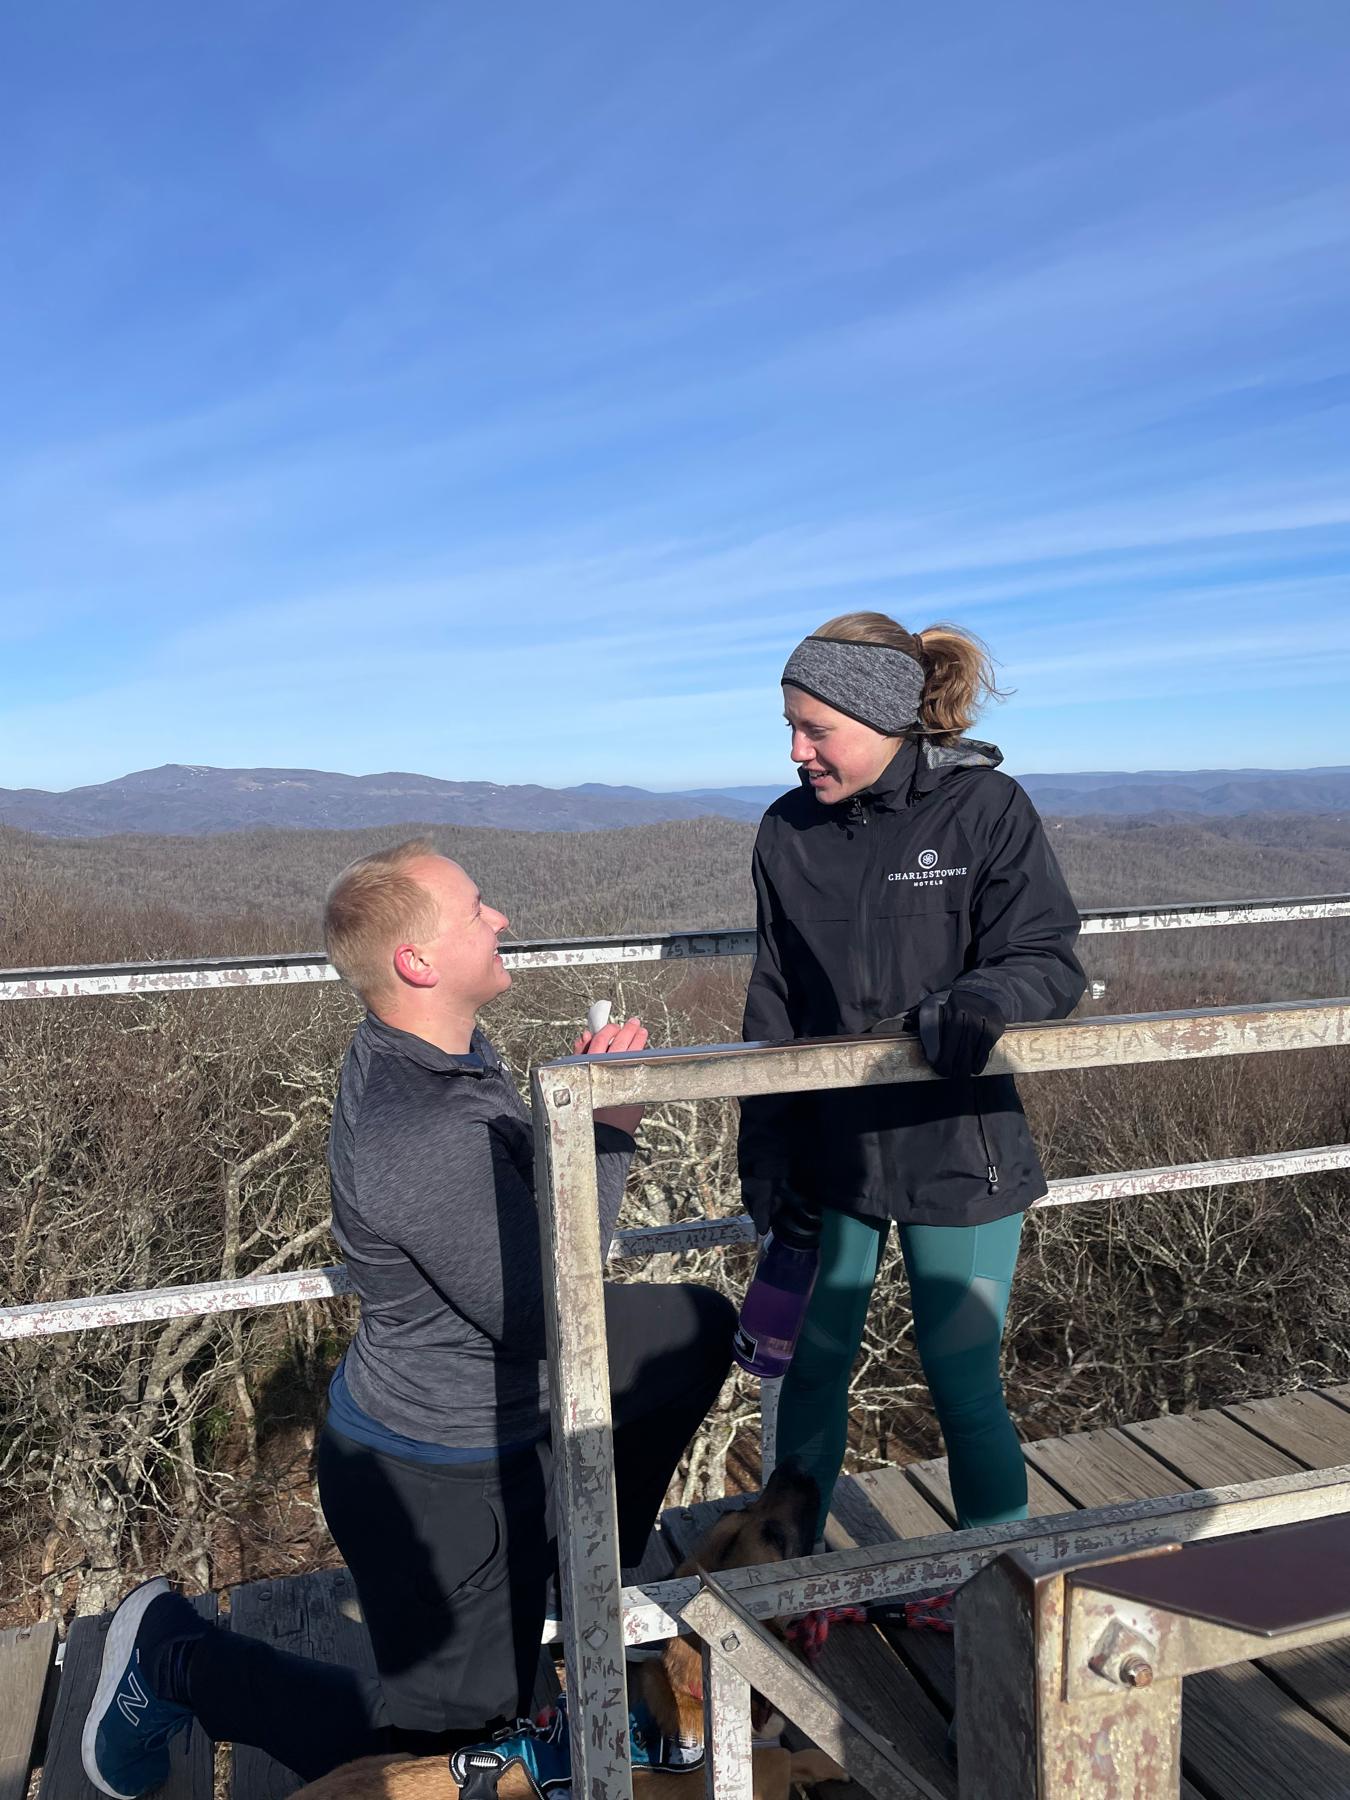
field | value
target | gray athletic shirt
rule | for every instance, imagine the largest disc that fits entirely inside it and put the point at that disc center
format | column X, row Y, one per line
column 432, row 1164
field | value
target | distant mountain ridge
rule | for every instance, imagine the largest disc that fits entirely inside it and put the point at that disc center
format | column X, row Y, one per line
column 184, row 799
column 1216, row 792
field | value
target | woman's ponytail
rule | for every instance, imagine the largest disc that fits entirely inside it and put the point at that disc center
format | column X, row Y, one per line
column 958, row 680
column 958, row 669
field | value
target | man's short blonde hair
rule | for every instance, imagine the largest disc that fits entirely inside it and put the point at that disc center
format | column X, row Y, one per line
column 374, row 906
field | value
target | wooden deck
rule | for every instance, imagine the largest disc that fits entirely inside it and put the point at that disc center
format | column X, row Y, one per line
column 1276, row 1728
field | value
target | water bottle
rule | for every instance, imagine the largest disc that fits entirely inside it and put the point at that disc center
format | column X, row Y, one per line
column 776, row 1300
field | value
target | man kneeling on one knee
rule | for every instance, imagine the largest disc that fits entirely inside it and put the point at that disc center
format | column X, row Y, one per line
column 435, row 1464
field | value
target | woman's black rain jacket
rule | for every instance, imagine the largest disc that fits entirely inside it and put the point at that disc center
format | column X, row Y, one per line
column 939, row 876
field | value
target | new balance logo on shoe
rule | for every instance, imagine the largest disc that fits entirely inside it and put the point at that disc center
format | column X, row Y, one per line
column 132, row 1700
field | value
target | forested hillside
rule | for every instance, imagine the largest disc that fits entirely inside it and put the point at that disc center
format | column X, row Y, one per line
column 264, row 889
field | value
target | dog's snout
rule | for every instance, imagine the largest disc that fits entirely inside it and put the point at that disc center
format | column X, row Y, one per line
column 794, row 1498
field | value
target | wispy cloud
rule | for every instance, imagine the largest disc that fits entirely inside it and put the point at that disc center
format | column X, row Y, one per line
column 401, row 363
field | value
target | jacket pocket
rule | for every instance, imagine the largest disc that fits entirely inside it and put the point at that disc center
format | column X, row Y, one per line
column 489, row 1553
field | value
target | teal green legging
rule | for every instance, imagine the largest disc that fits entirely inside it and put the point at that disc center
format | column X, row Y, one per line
column 959, row 1280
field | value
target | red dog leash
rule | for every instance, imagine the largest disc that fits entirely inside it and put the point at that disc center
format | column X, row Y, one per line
column 807, row 1635
column 932, row 1613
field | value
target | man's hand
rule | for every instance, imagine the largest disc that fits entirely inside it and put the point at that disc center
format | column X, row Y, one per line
column 609, row 1041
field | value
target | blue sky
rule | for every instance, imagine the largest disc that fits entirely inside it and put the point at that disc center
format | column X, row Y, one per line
column 500, row 392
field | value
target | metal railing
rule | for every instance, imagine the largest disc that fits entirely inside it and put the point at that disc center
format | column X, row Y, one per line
column 600, row 1618
column 268, row 1287
column 188, row 974
column 566, row 1095
column 95, row 1312
column 1068, row 1667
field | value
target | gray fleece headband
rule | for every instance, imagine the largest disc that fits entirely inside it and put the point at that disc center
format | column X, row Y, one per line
column 873, row 683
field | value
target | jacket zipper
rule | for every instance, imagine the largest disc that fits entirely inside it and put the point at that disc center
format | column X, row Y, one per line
column 866, row 901
column 991, row 1167
column 857, row 814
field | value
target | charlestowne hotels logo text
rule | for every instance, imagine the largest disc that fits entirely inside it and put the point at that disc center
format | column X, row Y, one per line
column 927, row 874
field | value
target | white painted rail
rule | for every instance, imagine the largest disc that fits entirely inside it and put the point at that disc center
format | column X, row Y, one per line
column 98, row 1311
column 192, row 974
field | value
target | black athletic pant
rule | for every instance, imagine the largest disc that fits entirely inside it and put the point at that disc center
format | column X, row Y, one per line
column 451, row 1562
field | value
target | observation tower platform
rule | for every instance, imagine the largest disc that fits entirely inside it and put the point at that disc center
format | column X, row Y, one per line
column 1261, row 1730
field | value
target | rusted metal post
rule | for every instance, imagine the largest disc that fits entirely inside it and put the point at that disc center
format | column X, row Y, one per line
column 728, row 1770
column 1020, row 1734
column 996, row 1692
column 583, row 1435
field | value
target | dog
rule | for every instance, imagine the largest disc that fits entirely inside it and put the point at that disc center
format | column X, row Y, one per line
column 777, row 1526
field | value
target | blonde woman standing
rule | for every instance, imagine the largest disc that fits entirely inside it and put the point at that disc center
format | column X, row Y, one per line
column 905, row 884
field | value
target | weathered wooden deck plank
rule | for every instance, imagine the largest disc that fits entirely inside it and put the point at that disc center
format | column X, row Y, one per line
column 309, row 1615
column 1251, row 1739
column 930, row 1477
column 1098, row 1466
column 1307, row 1426
column 876, row 1506
column 858, row 1662
column 1243, row 1737
column 1210, row 1440
column 191, row 1757
column 26, row 1656
column 1316, row 1432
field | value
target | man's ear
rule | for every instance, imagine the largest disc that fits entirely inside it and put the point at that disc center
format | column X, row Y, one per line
column 411, row 966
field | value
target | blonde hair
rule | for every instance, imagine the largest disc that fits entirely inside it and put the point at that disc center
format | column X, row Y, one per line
column 373, row 907
column 958, row 669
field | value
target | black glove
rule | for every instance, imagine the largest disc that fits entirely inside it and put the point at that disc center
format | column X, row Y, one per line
column 958, row 1029
column 764, row 1197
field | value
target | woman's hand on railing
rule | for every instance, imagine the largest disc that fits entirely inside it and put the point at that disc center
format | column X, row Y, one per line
column 631, row 1034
